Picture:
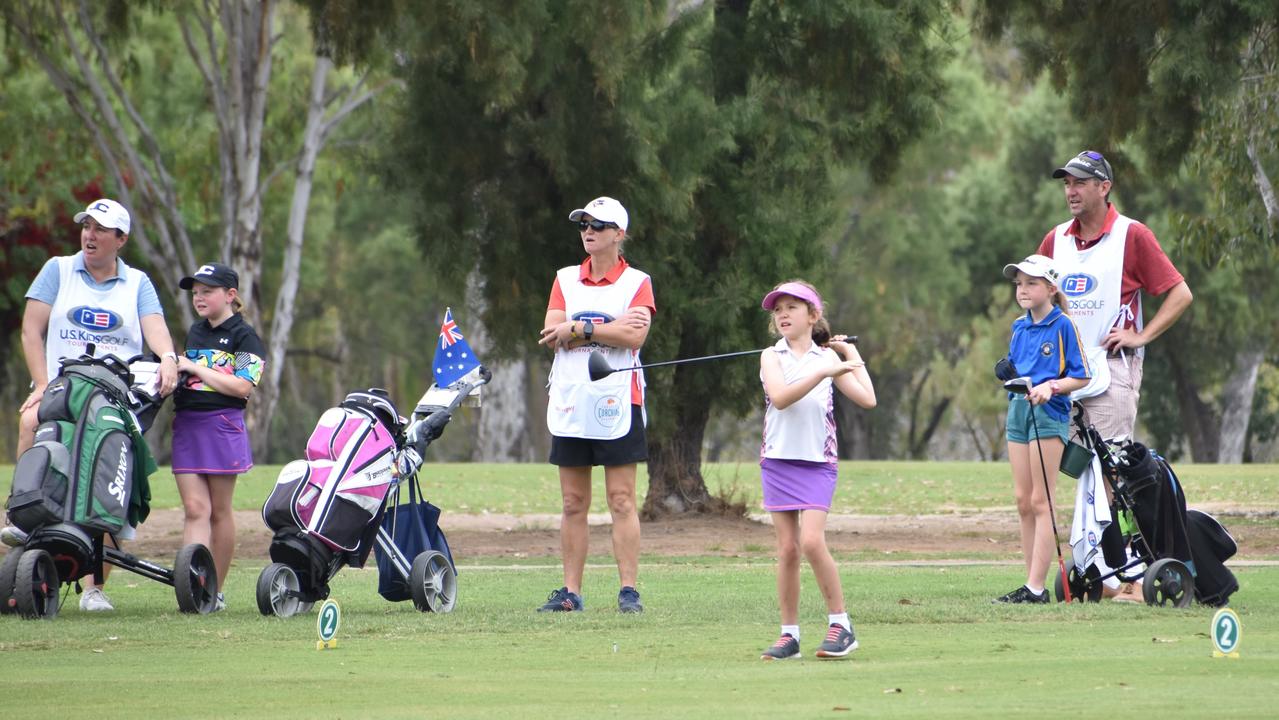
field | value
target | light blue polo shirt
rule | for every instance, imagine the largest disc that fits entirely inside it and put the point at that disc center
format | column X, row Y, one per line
column 46, row 285
column 1047, row 350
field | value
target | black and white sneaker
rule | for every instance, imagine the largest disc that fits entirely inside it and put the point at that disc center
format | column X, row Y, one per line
column 1023, row 595
column 628, row 601
column 838, row 643
column 785, row 648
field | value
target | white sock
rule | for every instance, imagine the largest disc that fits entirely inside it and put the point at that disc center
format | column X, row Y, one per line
column 841, row 619
column 792, row 630
column 1040, row 591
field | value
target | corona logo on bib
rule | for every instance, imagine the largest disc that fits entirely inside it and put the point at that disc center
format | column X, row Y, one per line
column 608, row 411
column 95, row 319
column 1077, row 284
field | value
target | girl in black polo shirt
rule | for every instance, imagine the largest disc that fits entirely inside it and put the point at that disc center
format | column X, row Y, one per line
column 221, row 366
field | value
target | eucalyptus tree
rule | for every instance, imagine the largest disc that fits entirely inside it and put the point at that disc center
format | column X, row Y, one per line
column 719, row 126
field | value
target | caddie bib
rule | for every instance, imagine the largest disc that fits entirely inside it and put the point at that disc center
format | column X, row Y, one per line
column 82, row 314
column 578, row 407
column 1092, row 280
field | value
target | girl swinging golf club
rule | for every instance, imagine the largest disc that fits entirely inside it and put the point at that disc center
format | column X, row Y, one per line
column 798, row 465
column 1045, row 352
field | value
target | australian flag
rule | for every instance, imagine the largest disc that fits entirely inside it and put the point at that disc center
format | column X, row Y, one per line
column 453, row 355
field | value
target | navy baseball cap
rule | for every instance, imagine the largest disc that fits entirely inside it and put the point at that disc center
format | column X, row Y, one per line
column 1085, row 165
column 213, row 275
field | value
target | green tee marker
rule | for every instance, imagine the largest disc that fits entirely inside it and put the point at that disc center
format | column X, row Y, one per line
column 1225, row 632
column 327, row 623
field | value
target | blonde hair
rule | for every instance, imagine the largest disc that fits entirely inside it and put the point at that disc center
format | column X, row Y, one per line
column 821, row 328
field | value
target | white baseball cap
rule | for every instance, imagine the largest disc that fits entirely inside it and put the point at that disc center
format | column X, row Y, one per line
column 1040, row 266
column 108, row 213
column 603, row 208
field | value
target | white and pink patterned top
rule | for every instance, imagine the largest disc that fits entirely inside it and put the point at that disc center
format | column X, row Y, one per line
column 806, row 429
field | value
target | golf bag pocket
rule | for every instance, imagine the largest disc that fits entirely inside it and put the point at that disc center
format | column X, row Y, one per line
column 40, row 481
column 1210, row 546
column 297, row 490
column 55, row 404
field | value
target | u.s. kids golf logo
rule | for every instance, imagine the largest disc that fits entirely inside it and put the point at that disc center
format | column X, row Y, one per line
column 95, row 325
column 1077, row 284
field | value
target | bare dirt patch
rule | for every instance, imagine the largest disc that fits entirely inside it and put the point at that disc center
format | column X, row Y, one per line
column 524, row 536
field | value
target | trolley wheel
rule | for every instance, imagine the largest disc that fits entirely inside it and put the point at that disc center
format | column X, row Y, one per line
column 36, row 585
column 1084, row 587
column 278, row 591
column 433, row 582
column 1168, row 582
column 9, row 573
column 195, row 580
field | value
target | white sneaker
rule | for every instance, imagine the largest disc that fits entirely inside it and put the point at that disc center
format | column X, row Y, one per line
column 12, row 536
column 94, row 600
column 220, row 604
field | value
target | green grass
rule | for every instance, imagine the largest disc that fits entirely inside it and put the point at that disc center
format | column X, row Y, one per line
column 932, row 645
column 870, row 488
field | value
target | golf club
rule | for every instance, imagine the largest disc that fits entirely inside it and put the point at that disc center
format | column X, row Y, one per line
column 597, row 365
column 1022, row 386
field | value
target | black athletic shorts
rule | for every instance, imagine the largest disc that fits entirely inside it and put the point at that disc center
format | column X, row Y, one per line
column 580, row 452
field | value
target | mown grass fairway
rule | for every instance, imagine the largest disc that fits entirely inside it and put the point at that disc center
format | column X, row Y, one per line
column 931, row 645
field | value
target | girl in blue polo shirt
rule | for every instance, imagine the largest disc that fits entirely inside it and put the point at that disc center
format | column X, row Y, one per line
column 1045, row 347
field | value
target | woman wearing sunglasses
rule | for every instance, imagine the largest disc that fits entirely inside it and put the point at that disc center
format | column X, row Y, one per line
column 603, row 305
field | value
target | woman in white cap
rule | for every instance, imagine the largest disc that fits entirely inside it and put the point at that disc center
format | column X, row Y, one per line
column 602, row 305
column 90, row 297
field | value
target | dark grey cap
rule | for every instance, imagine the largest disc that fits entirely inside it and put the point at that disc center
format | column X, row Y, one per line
column 213, row 275
column 1087, row 164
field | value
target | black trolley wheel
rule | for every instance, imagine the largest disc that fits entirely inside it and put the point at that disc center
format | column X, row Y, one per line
column 1084, row 587
column 35, row 586
column 195, row 580
column 277, row 591
column 8, row 574
column 1168, row 582
column 433, row 582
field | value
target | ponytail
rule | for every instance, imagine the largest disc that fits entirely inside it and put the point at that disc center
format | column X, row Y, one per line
column 1060, row 300
column 821, row 332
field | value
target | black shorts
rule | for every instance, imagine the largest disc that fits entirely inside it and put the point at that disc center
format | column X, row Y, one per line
column 581, row 452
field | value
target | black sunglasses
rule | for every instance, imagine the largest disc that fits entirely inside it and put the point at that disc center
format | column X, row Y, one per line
column 596, row 225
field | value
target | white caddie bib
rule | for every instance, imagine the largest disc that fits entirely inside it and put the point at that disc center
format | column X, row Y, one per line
column 82, row 315
column 577, row 407
column 1093, row 282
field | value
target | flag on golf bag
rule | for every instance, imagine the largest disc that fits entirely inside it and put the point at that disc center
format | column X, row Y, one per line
column 415, row 528
column 90, row 464
column 338, row 490
column 453, row 355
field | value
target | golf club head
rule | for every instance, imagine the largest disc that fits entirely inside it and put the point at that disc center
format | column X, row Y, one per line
column 597, row 366
column 1020, row 385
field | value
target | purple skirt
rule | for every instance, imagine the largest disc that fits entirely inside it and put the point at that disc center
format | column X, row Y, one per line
column 211, row 442
column 797, row 484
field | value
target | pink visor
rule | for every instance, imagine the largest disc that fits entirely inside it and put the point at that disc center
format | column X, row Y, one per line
column 803, row 292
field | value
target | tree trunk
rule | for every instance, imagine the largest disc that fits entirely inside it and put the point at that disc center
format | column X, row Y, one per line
column 675, row 482
column 1197, row 418
column 503, row 433
column 1236, row 406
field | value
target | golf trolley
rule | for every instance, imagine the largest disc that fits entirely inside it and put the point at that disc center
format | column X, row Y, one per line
column 1178, row 554
column 76, row 484
column 330, row 509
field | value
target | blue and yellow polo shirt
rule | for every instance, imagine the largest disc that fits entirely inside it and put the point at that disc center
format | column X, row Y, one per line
column 1046, row 350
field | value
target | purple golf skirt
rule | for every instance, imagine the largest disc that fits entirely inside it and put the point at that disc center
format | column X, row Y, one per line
column 797, row 484
column 211, row 442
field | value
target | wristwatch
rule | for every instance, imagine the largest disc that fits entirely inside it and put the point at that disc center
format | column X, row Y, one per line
column 170, row 355
column 588, row 329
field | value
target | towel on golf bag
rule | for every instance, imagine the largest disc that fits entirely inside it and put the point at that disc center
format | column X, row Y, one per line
column 90, row 464
column 1091, row 517
column 338, row 490
column 414, row 527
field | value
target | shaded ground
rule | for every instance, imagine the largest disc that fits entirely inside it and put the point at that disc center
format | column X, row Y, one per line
column 533, row 536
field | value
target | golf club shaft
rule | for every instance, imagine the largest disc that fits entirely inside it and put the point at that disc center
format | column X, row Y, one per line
column 1052, row 512
column 645, row 366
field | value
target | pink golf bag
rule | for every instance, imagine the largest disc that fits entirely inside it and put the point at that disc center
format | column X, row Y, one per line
column 336, row 493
